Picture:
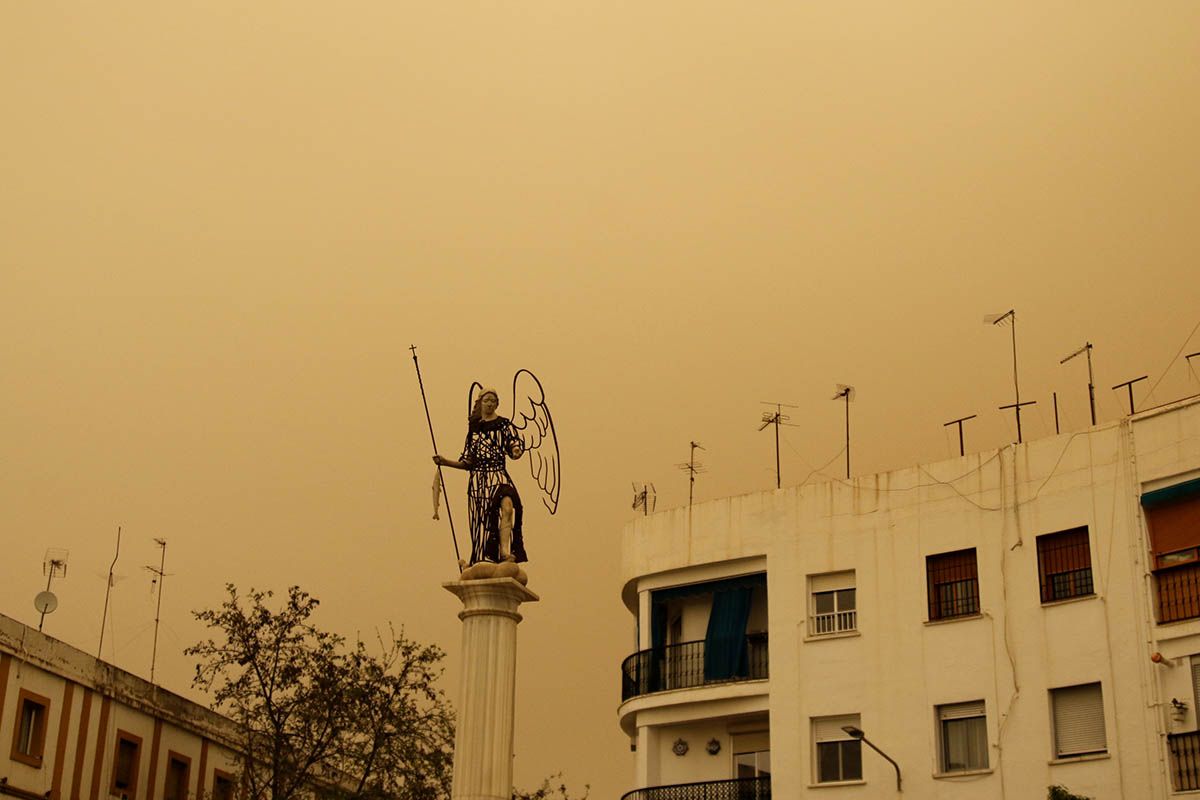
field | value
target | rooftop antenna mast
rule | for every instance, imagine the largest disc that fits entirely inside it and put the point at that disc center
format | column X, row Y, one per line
column 645, row 498
column 776, row 419
column 54, row 565
column 159, row 578
column 1129, row 385
column 107, row 592
column 962, row 450
column 693, row 469
column 845, row 391
column 1010, row 318
column 1087, row 348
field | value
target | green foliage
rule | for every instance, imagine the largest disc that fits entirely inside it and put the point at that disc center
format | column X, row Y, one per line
column 319, row 716
column 1062, row 793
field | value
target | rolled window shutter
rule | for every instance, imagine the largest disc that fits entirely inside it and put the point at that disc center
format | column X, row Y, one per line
column 1079, row 720
column 829, row 729
column 831, row 581
column 961, row 710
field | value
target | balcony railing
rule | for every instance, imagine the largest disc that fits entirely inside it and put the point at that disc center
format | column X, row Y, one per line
column 682, row 666
column 836, row 622
column 1185, row 760
column 737, row 789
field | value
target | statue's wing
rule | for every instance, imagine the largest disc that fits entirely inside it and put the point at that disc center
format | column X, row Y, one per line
column 531, row 418
column 476, row 388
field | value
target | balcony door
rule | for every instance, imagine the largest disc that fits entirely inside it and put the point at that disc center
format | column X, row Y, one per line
column 752, row 765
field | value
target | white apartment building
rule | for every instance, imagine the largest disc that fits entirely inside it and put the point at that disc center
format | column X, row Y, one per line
column 77, row 728
column 994, row 624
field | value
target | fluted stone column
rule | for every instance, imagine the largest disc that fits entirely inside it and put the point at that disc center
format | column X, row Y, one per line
column 483, row 741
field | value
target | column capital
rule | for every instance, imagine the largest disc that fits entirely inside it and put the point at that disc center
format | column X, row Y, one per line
column 490, row 596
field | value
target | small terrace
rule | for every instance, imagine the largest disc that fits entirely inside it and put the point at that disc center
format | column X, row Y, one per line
column 736, row 789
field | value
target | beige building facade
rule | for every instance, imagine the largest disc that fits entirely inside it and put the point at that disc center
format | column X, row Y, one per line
column 994, row 624
column 73, row 727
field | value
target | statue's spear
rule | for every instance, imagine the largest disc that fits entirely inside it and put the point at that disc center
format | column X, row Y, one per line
column 441, row 479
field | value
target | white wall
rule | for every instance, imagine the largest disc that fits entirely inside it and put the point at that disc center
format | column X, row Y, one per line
column 900, row 666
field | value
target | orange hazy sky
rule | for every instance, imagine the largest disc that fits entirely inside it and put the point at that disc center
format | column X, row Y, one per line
column 222, row 225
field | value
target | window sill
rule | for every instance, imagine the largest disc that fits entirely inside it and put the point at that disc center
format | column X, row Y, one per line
column 835, row 784
column 25, row 758
column 816, row 637
column 951, row 620
column 1069, row 600
column 1076, row 759
column 964, row 773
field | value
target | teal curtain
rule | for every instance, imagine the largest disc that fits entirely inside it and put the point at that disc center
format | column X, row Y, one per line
column 725, row 642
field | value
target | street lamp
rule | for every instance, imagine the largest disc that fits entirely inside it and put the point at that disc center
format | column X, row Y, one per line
column 857, row 733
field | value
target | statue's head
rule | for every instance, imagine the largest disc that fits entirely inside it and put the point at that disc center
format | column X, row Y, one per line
column 485, row 404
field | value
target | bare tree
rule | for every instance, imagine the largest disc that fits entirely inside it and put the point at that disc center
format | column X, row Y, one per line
column 552, row 788
column 319, row 717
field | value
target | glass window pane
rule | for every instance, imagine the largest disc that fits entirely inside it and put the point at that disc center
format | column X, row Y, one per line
column 846, row 600
column 851, row 760
column 964, row 744
column 828, row 766
column 764, row 763
column 823, row 602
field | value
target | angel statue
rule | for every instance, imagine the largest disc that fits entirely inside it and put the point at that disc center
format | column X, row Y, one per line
column 494, row 506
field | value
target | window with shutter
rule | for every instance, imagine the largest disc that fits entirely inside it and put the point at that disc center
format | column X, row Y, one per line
column 1173, row 519
column 963, row 735
column 834, row 603
column 1078, row 720
column 1064, row 565
column 838, row 755
column 953, row 582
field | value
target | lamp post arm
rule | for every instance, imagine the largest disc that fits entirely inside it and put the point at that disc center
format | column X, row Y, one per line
column 867, row 742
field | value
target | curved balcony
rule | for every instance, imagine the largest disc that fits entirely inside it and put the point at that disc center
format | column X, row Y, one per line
column 737, row 789
column 691, row 664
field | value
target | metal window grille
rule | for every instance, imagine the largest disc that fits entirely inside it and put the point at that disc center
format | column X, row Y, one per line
column 1065, row 565
column 1185, row 760
column 1178, row 592
column 953, row 580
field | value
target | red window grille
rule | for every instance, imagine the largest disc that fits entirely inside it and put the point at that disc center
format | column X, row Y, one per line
column 1064, row 565
column 953, row 582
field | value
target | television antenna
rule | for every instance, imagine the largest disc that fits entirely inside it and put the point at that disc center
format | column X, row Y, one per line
column 1010, row 318
column 962, row 451
column 107, row 591
column 646, row 498
column 1129, row 385
column 1087, row 348
column 776, row 419
column 159, row 579
column 693, row 468
column 846, row 391
column 54, row 565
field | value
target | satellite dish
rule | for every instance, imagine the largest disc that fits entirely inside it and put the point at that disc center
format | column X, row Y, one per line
column 45, row 602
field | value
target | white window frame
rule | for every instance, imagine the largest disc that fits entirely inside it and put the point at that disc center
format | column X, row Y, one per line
column 829, row 729
column 953, row 712
column 839, row 620
column 1077, row 713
